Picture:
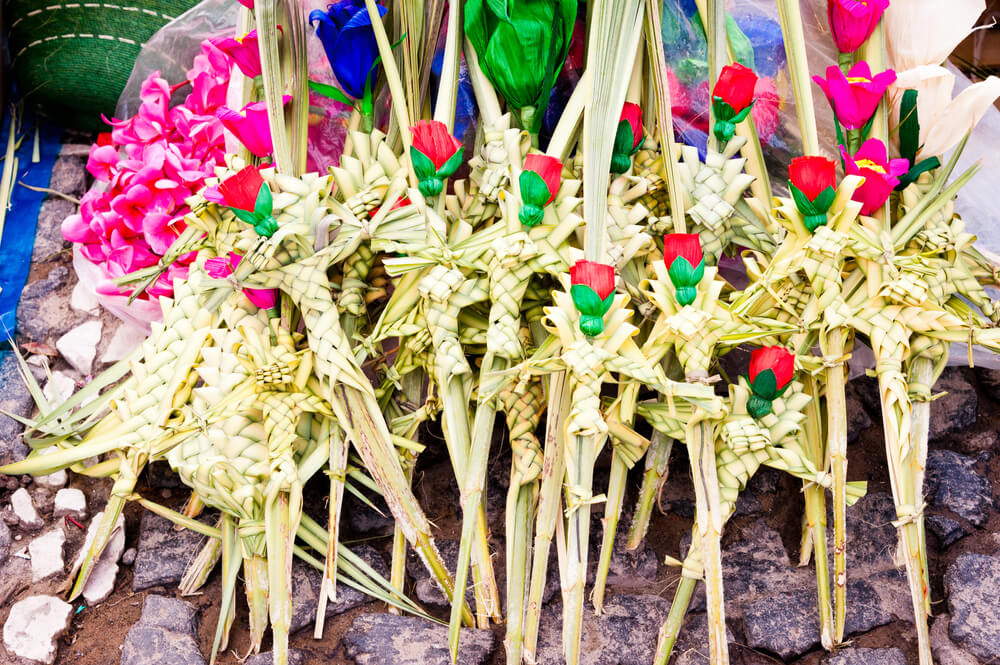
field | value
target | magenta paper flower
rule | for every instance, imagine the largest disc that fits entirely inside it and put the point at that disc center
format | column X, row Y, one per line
column 221, row 268
column 853, row 21
column 880, row 173
column 149, row 165
column 243, row 51
column 250, row 125
column 854, row 97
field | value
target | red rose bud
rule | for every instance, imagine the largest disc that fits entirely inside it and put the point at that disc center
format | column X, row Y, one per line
column 249, row 197
column 593, row 286
column 628, row 138
column 813, row 182
column 539, row 183
column 853, row 21
column 771, row 370
column 732, row 99
column 685, row 264
column 435, row 155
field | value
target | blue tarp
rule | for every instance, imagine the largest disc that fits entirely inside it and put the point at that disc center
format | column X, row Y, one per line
column 19, row 230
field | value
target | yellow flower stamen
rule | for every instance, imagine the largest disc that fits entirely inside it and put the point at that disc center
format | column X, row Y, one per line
column 869, row 164
column 858, row 79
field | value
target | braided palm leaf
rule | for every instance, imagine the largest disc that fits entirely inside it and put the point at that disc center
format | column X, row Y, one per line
column 490, row 171
column 742, row 445
column 143, row 422
column 713, row 192
column 588, row 361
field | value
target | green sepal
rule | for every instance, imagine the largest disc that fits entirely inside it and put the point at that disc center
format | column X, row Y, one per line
column 724, row 130
column 620, row 162
column 685, row 295
column 742, row 115
column 722, row 109
column 245, row 216
column 624, row 140
column 765, row 385
column 683, row 274
column 451, row 165
column 758, row 406
column 588, row 302
column 422, row 165
column 813, row 212
column 591, row 326
column 264, row 205
column 530, row 214
column 431, row 186
column 534, row 191
column 266, row 226
column 330, row 91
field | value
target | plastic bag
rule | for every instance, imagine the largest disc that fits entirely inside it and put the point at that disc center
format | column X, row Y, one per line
column 173, row 47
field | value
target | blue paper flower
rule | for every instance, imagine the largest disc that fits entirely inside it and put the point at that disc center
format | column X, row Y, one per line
column 345, row 29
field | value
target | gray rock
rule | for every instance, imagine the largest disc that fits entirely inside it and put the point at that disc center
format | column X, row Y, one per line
column 755, row 563
column 362, row 519
column 628, row 567
column 5, row 541
column 295, row 657
column 748, row 504
column 163, row 552
column 952, row 482
column 426, row 588
column 860, row 397
column 14, row 399
column 787, row 624
column 945, row 529
column 159, row 475
column 625, row 634
column 691, row 647
column 48, row 236
column 101, row 582
column 69, row 176
column 36, row 309
column 867, row 657
column 979, row 442
column 168, row 613
column 989, row 380
column 70, row 501
column 164, row 635
column 871, row 537
column 944, row 650
column 34, row 626
column 24, row 509
column 388, row 639
column 971, row 583
column 306, row 582
column 14, row 578
column 957, row 409
column 46, row 553
column 128, row 558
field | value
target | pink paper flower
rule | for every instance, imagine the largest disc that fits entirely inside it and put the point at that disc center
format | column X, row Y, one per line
column 250, row 125
column 854, row 97
column 880, row 173
column 149, row 165
column 220, row 268
column 243, row 51
column 853, row 21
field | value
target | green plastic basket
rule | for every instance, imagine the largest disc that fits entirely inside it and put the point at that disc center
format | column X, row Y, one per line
column 71, row 59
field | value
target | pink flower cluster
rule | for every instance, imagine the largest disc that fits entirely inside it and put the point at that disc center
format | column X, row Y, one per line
column 146, row 169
